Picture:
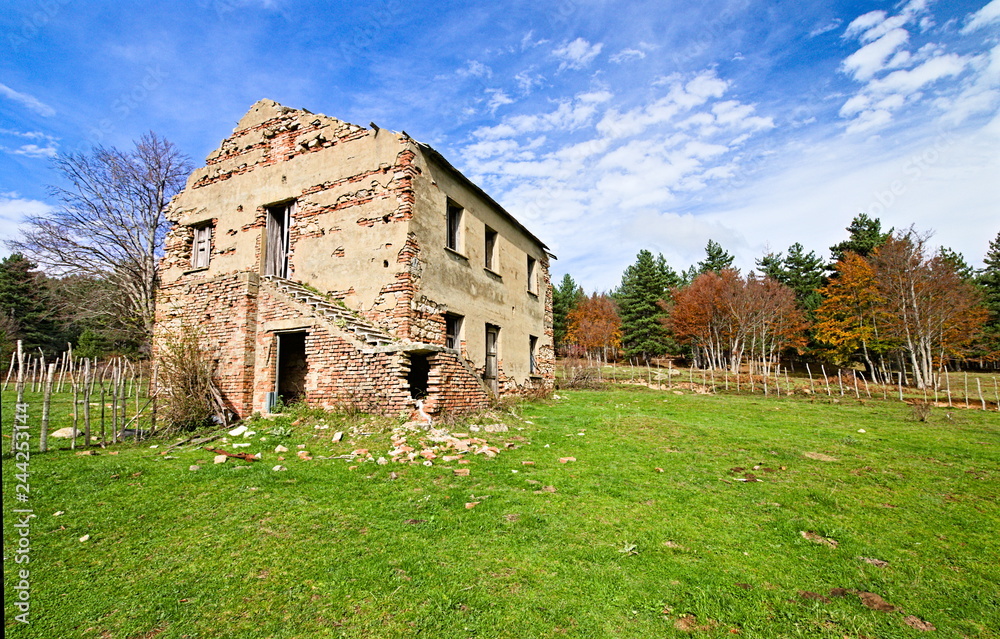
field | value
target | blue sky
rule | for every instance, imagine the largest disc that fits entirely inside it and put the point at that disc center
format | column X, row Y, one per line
column 605, row 127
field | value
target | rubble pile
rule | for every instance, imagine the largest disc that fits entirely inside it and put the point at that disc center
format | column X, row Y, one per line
column 414, row 443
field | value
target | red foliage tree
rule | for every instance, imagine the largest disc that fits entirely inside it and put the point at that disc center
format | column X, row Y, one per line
column 594, row 325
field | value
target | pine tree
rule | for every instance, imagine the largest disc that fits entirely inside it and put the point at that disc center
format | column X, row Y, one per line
column 565, row 297
column 645, row 285
column 865, row 236
column 24, row 304
column 803, row 272
column 988, row 280
column 716, row 258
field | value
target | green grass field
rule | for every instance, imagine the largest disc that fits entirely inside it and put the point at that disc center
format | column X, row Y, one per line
column 647, row 533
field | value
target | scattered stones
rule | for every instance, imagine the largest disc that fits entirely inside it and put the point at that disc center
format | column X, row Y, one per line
column 564, row 460
column 85, row 538
column 239, row 430
column 469, row 505
column 527, row 463
column 86, row 452
column 279, row 468
column 339, row 435
column 461, row 472
column 219, row 459
column 304, row 455
column 194, row 467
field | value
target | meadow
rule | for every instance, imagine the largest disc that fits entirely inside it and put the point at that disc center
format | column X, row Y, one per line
column 620, row 512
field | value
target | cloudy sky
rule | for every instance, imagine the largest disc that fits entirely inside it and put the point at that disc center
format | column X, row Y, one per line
column 605, row 127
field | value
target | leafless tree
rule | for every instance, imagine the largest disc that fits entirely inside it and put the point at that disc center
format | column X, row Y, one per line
column 110, row 222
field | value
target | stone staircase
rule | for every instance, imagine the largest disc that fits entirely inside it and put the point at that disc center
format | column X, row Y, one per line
column 345, row 319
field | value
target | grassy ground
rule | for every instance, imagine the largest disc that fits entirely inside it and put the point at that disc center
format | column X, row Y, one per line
column 648, row 533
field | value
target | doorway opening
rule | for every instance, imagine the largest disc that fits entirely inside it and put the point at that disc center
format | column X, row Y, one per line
column 290, row 382
column 491, row 372
column 418, row 377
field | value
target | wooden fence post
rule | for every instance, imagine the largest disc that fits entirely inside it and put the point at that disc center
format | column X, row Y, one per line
column 43, row 437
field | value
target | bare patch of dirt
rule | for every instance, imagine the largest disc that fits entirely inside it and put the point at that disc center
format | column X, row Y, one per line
column 815, row 596
column 819, row 539
column 918, row 623
column 689, row 623
column 820, row 457
column 878, row 563
column 875, row 602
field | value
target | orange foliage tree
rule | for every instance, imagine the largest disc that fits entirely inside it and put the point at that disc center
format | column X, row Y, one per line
column 852, row 317
column 933, row 314
column 594, row 326
column 727, row 320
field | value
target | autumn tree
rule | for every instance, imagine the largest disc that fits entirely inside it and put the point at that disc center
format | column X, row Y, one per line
column 110, row 223
column 565, row 297
column 851, row 319
column 728, row 320
column 595, row 327
column 932, row 312
column 644, row 285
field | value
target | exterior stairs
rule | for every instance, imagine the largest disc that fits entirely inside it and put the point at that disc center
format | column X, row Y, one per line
column 363, row 330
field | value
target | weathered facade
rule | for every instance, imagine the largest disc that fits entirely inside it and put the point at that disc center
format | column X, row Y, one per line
column 327, row 262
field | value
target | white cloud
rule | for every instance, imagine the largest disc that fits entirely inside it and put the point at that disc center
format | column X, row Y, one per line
column 864, row 63
column 864, row 22
column 577, row 54
column 986, row 16
column 29, row 101
column 825, row 27
column 35, row 151
column 47, row 146
column 627, row 54
column 909, row 81
column 497, row 99
column 475, row 69
column 13, row 210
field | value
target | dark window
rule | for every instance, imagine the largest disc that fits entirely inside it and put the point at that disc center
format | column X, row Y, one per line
column 533, row 353
column 453, row 331
column 454, row 226
column 201, row 248
column 532, row 276
column 490, row 248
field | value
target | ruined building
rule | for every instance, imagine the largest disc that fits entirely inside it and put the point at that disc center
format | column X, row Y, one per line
column 324, row 262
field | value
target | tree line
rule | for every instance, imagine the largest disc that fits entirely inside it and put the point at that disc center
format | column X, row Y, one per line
column 885, row 302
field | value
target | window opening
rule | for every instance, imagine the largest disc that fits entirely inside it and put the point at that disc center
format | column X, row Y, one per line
column 490, row 248
column 490, row 373
column 201, row 247
column 532, row 277
column 452, row 331
column 454, row 226
column 532, row 354
column 279, row 219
